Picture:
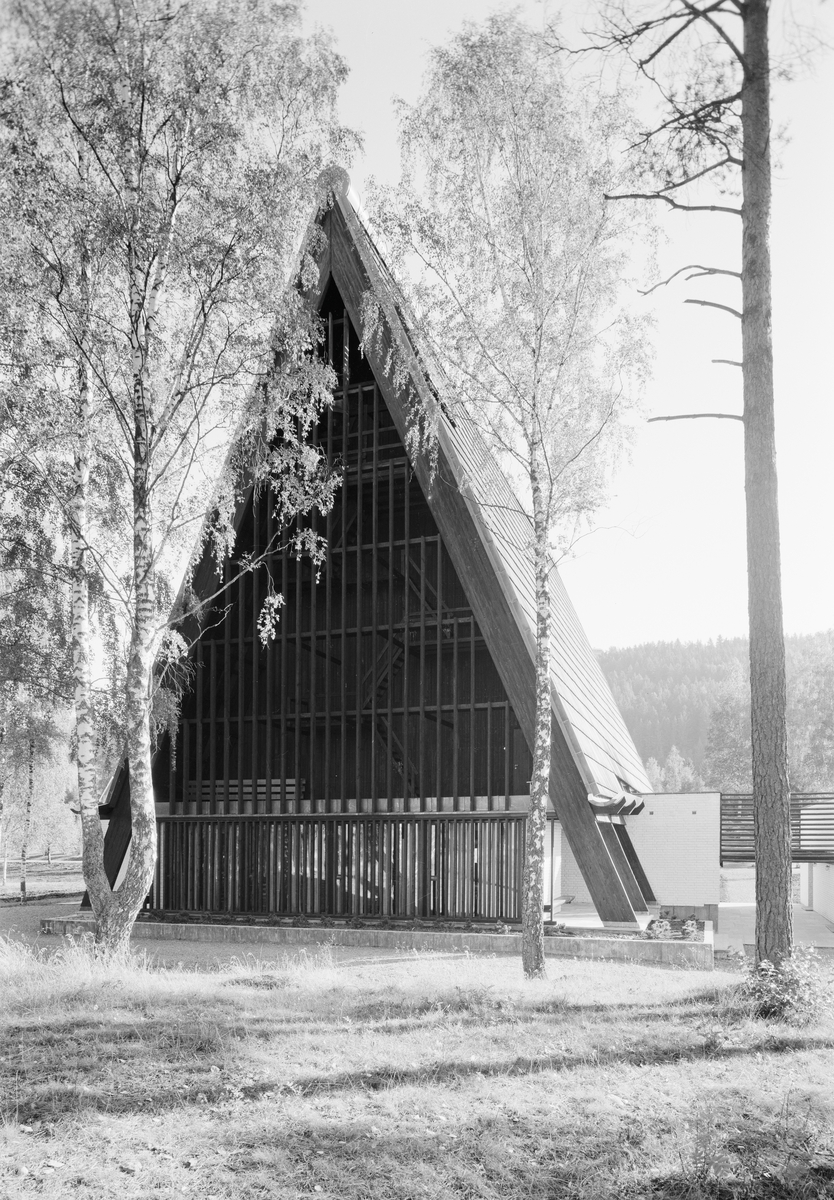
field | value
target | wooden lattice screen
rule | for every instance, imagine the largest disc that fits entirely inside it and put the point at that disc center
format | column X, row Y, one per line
column 378, row 693
column 432, row 866
column 812, row 827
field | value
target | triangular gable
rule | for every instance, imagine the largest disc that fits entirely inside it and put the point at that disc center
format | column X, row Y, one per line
column 591, row 750
column 587, row 714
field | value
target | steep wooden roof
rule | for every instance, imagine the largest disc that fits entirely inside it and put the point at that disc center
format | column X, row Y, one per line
column 583, row 706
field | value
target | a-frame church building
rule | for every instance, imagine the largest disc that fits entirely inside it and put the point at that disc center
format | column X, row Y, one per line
column 373, row 760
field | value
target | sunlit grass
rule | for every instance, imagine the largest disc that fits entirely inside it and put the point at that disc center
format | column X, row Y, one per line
column 429, row 1077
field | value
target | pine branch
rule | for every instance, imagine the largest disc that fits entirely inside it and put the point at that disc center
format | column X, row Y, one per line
column 682, row 116
column 628, row 38
column 700, row 271
column 697, row 417
column 674, row 204
column 730, row 161
column 703, row 14
column 711, row 304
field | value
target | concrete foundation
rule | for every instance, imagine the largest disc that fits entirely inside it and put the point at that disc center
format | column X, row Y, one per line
column 694, row 955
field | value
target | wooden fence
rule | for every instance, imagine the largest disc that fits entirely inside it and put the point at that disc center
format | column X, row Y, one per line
column 812, row 828
column 440, row 866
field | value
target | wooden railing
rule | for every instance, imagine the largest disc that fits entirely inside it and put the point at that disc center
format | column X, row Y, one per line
column 259, row 794
column 812, row 827
column 432, row 865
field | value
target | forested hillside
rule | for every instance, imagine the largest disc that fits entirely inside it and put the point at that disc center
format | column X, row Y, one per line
column 687, row 707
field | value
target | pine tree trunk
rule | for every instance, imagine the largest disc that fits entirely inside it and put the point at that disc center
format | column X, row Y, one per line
column 27, row 821
column 532, row 916
column 771, row 789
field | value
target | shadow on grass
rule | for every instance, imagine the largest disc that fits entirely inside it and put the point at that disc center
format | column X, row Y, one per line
column 126, row 1064
column 512, row 1155
column 504, row 1153
column 643, row 1056
column 141, row 1022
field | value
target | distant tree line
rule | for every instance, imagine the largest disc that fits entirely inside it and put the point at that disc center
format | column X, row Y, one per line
column 687, row 706
column 38, row 806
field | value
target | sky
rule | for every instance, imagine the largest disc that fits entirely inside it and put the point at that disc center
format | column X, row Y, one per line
column 667, row 558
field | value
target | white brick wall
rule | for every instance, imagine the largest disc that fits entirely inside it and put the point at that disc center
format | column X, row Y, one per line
column 678, row 840
column 817, row 888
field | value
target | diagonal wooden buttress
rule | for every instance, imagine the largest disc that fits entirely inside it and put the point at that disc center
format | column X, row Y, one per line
column 599, row 853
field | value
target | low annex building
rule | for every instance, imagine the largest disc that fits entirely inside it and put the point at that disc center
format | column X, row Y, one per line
column 374, row 758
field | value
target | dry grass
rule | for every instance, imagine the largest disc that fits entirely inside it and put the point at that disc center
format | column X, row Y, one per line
column 432, row 1077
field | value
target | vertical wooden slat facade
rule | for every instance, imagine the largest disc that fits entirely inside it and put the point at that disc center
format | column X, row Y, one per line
column 380, row 693
column 428, row 865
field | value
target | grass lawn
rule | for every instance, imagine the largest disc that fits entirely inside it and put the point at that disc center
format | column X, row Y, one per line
column 62, row 876
column 428, row 1077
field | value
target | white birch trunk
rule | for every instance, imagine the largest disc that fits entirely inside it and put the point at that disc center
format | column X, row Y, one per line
column 128, row 901
column 2, row 802
column 114, row 927
column 532, row 917
column 92, row 838
column 27, row 821
column 130, row 897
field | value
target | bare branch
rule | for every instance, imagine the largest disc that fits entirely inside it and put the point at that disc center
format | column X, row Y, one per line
column 729, row 161
column 711, row 304
column 691, row 267
column 697, row 417
column 730, row 362
column 703, row 14
column 644, row 62
column 674, row 204
column 627, row 38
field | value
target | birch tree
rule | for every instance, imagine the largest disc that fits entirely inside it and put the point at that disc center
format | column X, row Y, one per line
column 161, row 166
column 710, row 151
column 34, row 635
column 33, row 745
column 517, row 300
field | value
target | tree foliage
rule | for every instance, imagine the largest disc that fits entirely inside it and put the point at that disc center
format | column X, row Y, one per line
column 695, row 696
column 160, row 166
column 53, row 824
column 516, row 267
column 676, row 774
column 177, row 151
